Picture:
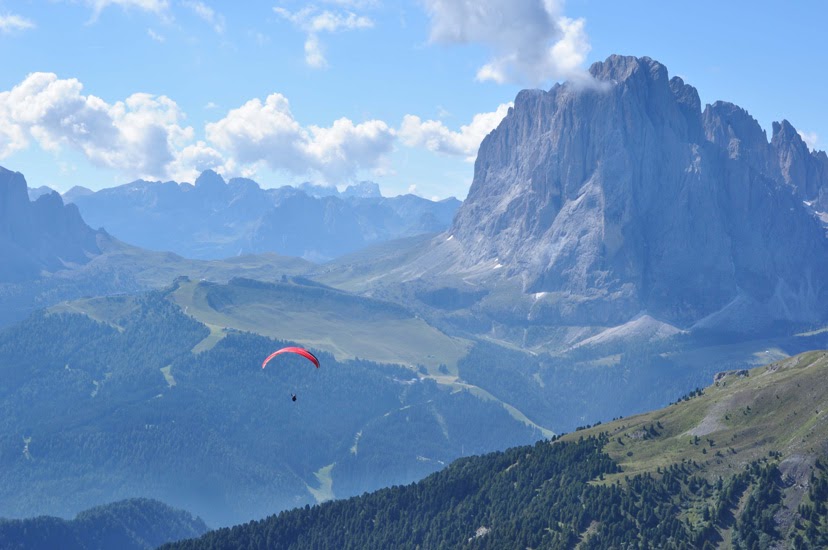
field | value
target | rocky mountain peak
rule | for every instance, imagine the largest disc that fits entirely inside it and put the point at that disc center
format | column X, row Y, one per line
column 13, row 191
column 210, row 181
column 732, row 128
column 785, row 133
column 621, row 68
column 44, row 235
column 622, row 198
column 797, row 166
column 363, row 189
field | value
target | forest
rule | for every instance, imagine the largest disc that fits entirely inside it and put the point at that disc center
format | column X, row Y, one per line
column 551, row 495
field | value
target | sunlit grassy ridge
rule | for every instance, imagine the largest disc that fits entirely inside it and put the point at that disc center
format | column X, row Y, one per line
column 741, row 417
column 345, row 325
column 741, row 465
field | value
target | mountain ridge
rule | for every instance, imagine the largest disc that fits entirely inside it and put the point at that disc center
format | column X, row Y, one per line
column 212, row 219
column 129, row 524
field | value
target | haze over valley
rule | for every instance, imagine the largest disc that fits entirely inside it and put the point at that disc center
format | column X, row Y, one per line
column 578, row 301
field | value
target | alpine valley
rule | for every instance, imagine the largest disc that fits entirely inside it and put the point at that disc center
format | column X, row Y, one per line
column 618, row 248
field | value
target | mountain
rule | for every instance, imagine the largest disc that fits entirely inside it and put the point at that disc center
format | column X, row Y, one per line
column 363, row 189
column 135, row 524
column 217, row 219
column 786, row 158
column 594, row 205
column 740, row 464
column 44, row 235
column 36, row 193
column 49, row 254
column 75, row 192
column 162, row 395
column 122, row 269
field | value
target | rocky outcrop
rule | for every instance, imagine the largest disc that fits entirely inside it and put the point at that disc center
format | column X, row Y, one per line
column 786, row 159
column 39, row 236
column 623, row 197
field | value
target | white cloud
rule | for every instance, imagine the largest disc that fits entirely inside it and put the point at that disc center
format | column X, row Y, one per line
column 158, row 7
column 314, row 55
column 140, row 136
column 145, row 135
column 208, row 14
column 192, row 160
column 155, row 36
column 530, row 40
column 435, row 136
column 313, row 22
column 268, row 132
column 810, row 138
column 10, row 23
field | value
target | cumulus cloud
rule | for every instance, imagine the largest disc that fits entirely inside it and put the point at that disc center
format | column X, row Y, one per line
column 140, row 136
column 435, row 136
column 531, row 40
column 313, row 21
column 193, row 159
column 208, row 14
column 10, row 23
column 267, row 131
column 810, row 138
column 145, row 135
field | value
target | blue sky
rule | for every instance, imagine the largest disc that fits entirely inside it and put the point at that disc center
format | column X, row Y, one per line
column 101, row 92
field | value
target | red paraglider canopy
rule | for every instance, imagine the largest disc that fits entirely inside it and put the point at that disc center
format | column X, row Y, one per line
column 300, row 351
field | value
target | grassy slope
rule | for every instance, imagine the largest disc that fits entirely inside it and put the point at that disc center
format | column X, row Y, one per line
column 779, row 407
column 152, row 269
column 341, row 324
column 356, row 271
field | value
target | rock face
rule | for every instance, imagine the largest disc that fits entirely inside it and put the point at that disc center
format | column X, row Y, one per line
column 38, row 236
column 623, row 197
column 217, row 219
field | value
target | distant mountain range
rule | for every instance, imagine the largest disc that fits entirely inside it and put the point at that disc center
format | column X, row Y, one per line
column 134, row 524
column 48, row 254
column 594, row 207
column 216, row 219
column 739, row 464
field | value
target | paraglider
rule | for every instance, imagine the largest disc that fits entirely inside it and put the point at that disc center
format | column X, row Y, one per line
column 299, row 351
